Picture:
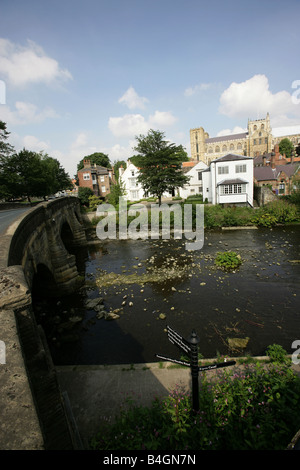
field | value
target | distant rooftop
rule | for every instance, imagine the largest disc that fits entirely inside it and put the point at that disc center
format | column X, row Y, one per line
column 223, row 138
column 231, row 157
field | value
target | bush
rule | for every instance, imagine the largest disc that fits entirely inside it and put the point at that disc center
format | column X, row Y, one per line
column 277, row 212
column 84, row 194
column 253, row 407
column 94, row 202
column 228, row 260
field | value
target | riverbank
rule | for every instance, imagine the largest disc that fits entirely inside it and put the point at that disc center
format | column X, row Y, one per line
column 97, row 393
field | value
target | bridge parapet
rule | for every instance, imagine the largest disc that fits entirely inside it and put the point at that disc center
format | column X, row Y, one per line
column 37, row 239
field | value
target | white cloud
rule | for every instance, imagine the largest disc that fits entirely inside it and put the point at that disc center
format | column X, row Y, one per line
column 235, row 130
column 29, row 64
column 162, row 119
column 131, row 125
column 196, row 89
column 26, row 113
column 253, row 99
column 128, row 125
column 30, row 142
column 132, row 100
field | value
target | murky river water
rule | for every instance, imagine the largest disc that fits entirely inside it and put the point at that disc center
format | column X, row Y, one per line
column 258, row 303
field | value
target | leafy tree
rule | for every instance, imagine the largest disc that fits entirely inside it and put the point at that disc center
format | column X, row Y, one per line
column 32, row 174
column 84, row 194
column 286, row 147
column 5, row 148
column 56, row 177
column 6, row 151
column 298, row 150
column 159, row 163
column 117, row 165
column 116, row 191
column 97, row 158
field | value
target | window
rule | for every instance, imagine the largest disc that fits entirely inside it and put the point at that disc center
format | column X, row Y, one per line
column 217, row 149
column 231, row 147
column 281, row 188
column 240, row 168
column 134, row 194
column 132, row 173
column 210, row 150
column 224, row 148
column 103, row 189
column 233, row 189
column 94, row 178
column 102, row 179
column 222, row 170
column 266, row 140
column 200, row 176
column 254, row 141
column 86, row 176
column 133, row 182
column 239, row 146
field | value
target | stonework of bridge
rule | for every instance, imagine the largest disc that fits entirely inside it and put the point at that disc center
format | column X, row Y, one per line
column 35, row 253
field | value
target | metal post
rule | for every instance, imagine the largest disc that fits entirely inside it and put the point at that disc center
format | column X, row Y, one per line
column 194, row 341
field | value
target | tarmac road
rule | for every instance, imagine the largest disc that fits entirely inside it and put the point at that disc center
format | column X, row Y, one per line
column 8, row 216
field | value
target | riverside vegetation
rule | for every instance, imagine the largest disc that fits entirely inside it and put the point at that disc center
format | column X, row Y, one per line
column 251, row 407
column 281, row 211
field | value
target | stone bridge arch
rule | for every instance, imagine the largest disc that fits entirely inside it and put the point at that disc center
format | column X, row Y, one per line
column 46, row 236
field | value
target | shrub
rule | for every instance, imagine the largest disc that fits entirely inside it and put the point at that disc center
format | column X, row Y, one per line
column 252, row 407
column 277, row 212
column 228, row 260
column 84, row 194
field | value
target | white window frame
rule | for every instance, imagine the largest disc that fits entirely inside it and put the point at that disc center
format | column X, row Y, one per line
column 86, row 176
column 223, row 170
column 237, row 188
column 241, row 168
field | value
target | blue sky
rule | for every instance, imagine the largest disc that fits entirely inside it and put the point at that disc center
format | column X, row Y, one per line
column 87, row 76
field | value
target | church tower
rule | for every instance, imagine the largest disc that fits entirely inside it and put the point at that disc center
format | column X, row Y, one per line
column 259, row 137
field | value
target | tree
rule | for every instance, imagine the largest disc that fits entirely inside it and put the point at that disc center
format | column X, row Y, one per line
column 286, row 147
column 84, row 194
column 159, row 163
column 97, row 158
column 32, row 174
column 117, row 165
column 56, row 177
column 6, row 151
column 5, row 148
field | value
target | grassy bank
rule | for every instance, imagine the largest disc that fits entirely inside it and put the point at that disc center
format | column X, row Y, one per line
column 254, row 407
column 216, row 216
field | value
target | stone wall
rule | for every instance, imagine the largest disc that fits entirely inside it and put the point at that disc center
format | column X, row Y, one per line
column 263, row 195
column 33, row 412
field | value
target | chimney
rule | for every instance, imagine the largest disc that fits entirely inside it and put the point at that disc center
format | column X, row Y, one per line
column 273, row 160
column 276, row 148
column 264, row 160
column 86, row 163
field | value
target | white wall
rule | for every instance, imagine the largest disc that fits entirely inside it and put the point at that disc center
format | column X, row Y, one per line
column 195, row 185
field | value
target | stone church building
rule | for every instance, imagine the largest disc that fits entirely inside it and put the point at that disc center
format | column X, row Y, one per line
column 257, row 140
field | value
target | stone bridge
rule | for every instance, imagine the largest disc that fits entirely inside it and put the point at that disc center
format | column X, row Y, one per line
column 36, row 252
column 41, row 245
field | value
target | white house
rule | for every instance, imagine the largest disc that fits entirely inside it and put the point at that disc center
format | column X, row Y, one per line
column 195, row 185
column 132, row 189
column 229, row 180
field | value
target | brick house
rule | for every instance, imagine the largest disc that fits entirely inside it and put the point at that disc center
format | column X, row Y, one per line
column 278, row 177
column 98, row 178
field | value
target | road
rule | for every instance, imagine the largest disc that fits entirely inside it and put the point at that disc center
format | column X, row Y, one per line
column 8, row 216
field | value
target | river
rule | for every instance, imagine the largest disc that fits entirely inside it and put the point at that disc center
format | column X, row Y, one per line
column 160, row 283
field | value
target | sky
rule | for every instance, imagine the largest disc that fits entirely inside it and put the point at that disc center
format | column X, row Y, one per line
column 78, row 77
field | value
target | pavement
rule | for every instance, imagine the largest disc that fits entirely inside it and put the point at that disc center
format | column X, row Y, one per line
column 96, row 394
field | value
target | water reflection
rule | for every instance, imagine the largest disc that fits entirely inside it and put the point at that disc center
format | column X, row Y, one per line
column 158, row 282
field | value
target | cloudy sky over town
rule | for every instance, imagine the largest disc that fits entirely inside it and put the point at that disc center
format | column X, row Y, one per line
column 78, row 77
